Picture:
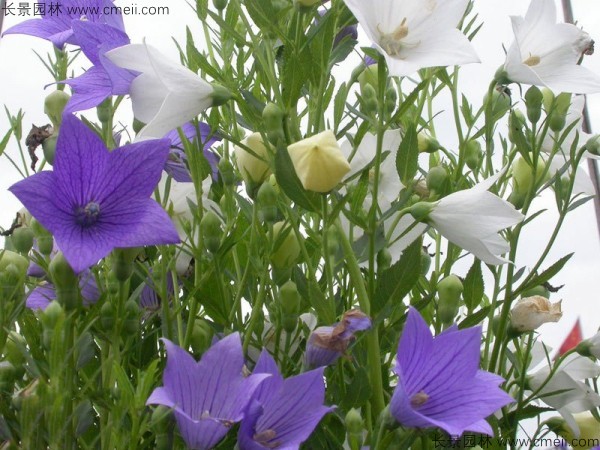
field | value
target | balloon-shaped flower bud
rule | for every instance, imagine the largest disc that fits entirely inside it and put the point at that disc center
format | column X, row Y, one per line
column 319, row 162
column 254, row 166
column 523, row 178
column 326, row 344
column 210, row 227
column 220, row 4
column 437, row 180
column 450, row 290
column 267, row 202
column 54, row 105
column 426, row 143
column 202, row 336
column 65, row 280
column 289, row 299
column 354, row 429
column 369, row 76
column 49, row 147
column 22, row 239
column 593, row 145
column 530, row 313
column 473, row 154
column 533, row 101
column 273, row 122
column 589, row 429
column 368, row 100
column 286, row 246
column 52, row 315
column 516, row 123
column 225, row 169
column 500, row 102
column 45, row 241
column 12, row 259
column 558, row 113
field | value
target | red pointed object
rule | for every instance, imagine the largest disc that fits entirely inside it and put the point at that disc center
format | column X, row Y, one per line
column 572, row 339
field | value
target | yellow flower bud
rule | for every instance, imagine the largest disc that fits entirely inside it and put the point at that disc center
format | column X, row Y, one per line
column 530, row 313
column 589, row 431
column 287, row 247
column 253, row 169
column 319, row 162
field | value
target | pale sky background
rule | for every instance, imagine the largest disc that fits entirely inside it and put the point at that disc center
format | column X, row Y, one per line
column 22, row 80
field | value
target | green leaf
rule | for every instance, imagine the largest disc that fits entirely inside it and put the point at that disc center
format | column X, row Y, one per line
column 358, row 392
column 546, row 275
column 4, row 141
column 473, row 286
column 290, row 183
column 407, row 158
column 475, row 318
column 399, row 279
column 329, row 435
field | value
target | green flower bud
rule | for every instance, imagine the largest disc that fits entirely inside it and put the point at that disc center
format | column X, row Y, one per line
column 202, row 335
column 65, row 281
column 210, row 227
column 449, row 290
column 333, row 244
column 427, row 144
column 267, row 202
column 558, row 115
column 131, row 324
column 273, row 122
column 533, row 101
column 220, row 95
column 104, row 111
column 420, row 211
column 49, row 147
column 107, row 316
column 523, row 177
column 15, row 261
column 369, row 76
column 368, row 100
column 22, row 238
column 501, row 102
column 13, row 349
column 539, row 290
column 593, row 145
column 437, row 179
column 286, row 247
column 391, row 100
column 220, row 4
column 54, row 105
column 501, row 76
column 289, row 300
column 44, row 238
column 122, row 266
column 384, row 259
column 548, row 99
column 354, row 429
column 226, row 172
column 52, row 315
column 473, row 154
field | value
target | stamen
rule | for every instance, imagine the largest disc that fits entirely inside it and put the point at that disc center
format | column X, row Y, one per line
column 419, row 399
column 88, row 215
column 264, row 438
column 532, row 61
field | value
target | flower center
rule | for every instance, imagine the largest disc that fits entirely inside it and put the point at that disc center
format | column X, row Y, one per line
column 532, row 61
column 88, row 215
column 419, row 399
column 264, row 438
column 391, row 42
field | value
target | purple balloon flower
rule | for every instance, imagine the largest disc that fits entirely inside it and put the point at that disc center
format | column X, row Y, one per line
column 42, row 295
column 208, row 396
column 326, row 344
column 283, row 413
column 439, row 381
column 176, row 164
column 55, row 24
column 104, row 79
column 95, row 200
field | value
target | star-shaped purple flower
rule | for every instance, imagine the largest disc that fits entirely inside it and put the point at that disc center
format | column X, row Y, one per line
column 439, row 381
column 56, row 20
column 209, row 396
column 283, row 413
column 103, row 79
column 95, row 200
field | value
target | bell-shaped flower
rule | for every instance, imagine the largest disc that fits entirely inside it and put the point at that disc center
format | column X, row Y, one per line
column 104, row 78
column 545, row 53
column 55, row 23
column 166, row 94
column 95, row 200
column 472, row 219
column 530, row 313
column 283, row 412
column 564, row 390
column 326, row 344
column 209, row 396
column 414, row 34
column 439, row 381
column 319, row 162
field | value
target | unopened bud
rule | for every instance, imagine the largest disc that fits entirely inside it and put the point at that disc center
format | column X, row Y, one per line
column 290, row 306
column 287, row 248
column 210, row 227
column 104, row 111
column 273, row 121
column 450, row 290
column 473, row 154
column 593, row 145
column 426, row 143
column 437, row 179
column 54, row 105
column 226, row 172
column 558, row 115
column 500, row 102
column 369, row 76
column 516, row 122
column 52, row 315
column 202, row 335
column 267, row 202
column 15, row 261
column 22, row 239
column 220, row 4
column 368, row 100
column 107, row 316
column 533, row 101
column 49, row 147
column 384, row 259
column 254, row 169
column 354, row 429
column 65, row 280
